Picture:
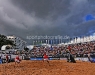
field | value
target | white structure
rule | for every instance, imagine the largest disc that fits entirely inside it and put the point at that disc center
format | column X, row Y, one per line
column 4, row 47
column 82, row 40
column 20, row 44
column 46, row 45
column 30, row 47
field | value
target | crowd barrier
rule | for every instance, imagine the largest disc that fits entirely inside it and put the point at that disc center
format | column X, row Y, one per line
column 38, row 58
column 54, row 58
column 41, row 58
column 58, row 58
column 82, row 59
column 0, row 61
column 92, row 58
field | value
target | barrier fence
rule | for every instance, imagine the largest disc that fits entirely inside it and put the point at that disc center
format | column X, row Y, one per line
column 58, row 58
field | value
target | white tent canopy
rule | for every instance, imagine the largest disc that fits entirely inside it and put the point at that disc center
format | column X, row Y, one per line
column 82, row 40
column 5, row 46
column 30, row 47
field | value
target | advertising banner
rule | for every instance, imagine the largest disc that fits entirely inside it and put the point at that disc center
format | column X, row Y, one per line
column 54, row 58
column 36, row 58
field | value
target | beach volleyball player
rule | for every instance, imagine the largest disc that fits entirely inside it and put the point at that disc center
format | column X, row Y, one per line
column 45, row 57
column 17, row 59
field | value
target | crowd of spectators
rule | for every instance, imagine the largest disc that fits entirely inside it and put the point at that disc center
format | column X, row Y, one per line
column 78, row 50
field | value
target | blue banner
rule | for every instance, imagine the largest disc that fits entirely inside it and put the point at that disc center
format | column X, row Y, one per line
column 0, row 61
column 50, row 58
column 92, row 59
column 54, row 58
column 36, row 58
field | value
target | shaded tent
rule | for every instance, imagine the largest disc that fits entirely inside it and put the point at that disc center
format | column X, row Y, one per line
column 5, row 47
column 30, row 47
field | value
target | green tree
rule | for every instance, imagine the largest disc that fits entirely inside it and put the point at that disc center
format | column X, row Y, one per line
column 5, row 41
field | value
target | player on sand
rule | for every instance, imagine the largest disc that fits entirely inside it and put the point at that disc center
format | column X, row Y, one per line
column 7, row 58
column 17, row 59
column 45, row 57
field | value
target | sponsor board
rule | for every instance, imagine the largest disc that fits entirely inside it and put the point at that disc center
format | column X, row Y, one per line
column 57, row 58
column 51, row 58
column 92, row 59
column 54, row 58
column 63, row 58
column 82, row 59
column 36, row 58
column 0, row 61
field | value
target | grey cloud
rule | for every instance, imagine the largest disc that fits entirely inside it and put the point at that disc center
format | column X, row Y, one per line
column 44, row 8
column 46, row 17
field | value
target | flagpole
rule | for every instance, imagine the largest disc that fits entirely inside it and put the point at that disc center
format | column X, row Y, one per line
column 56, row 41
column 46, row 42
column 33, row 42
column 51, row 42
column 59, row 41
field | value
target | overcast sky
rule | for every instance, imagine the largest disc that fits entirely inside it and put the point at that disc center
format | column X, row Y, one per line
column 46, row 17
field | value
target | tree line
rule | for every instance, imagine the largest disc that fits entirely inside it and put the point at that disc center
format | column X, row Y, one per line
column 5, row 41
